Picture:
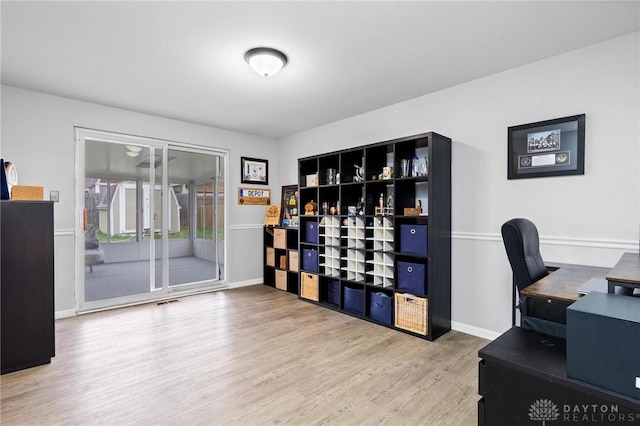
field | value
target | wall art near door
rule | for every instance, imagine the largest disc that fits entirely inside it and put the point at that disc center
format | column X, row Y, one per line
column 255, row 171
column 290, row 211
column 547, row 148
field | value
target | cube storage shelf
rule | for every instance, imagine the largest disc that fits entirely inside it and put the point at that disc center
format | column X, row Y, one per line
column 281, row 258
column 360, row 254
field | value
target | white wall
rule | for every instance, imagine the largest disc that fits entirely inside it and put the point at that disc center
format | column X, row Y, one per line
column 38, row 136
column 588, row 219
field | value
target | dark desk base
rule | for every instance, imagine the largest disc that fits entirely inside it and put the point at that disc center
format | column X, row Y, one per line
column 523, row 381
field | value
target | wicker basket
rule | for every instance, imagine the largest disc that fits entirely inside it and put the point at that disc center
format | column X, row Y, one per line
column 411, row 313
column 309, row 287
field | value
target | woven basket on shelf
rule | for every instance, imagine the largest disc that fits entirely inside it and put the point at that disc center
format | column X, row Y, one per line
column 411, row 313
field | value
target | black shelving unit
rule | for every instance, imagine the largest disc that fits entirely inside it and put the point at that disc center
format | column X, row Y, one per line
column 281, row 258
column 360, row 252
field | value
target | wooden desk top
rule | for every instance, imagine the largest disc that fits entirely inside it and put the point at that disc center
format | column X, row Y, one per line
column 564, row 282
column 627, row 270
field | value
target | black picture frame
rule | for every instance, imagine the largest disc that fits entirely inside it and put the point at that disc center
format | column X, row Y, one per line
column 254, row 171
column 290, row 211
column 546, row 148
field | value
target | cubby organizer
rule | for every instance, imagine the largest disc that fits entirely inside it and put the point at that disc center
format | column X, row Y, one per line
column 281, row 258
column 377, row 244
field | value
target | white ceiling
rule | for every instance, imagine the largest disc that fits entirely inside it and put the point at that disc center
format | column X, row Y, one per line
column 184, row 60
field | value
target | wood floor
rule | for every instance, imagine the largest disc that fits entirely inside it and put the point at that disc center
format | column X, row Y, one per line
column 247, row 356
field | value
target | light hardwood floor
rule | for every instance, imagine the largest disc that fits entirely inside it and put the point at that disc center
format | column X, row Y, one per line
column 247, row 356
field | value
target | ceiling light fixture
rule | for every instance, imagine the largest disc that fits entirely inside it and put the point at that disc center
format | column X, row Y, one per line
column 132, row 150
column 265, row 60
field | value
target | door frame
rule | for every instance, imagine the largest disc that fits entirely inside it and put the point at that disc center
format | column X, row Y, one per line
column 82, row 133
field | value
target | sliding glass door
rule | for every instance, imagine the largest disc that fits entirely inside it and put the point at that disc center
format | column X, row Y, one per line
column 196, row 225
column 152, row 222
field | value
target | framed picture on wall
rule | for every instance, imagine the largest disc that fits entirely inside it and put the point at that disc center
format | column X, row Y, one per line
column 254, row 171
column 290, row 211
column 546, row 148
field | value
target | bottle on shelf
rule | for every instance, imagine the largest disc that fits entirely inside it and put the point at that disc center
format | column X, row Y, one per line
column 415, row 166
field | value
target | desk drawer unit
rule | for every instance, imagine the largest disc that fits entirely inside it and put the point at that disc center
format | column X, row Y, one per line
column 523, row 381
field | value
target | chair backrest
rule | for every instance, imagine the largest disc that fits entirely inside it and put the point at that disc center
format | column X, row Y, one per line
column 521, row 241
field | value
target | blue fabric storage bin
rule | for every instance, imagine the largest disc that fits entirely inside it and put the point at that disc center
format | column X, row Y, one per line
column 354, row 300
column 333, row 292
column 311, row 232
column 381, row 308
column 310, row 260
column 413, row 239
column 412, row 278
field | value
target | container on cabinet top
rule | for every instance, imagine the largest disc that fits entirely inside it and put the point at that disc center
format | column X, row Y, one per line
column 310, row 260
column 413, row 239
column 23, row 192
column 280, row 238
column 381, row 308
column 311, row 232
column 412, row 277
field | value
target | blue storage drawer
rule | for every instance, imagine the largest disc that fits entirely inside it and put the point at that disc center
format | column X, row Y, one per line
column 311, row 232
column 413, row 239
column 333, row 292
column 412, row 278
column 354, row 300
column 381, row 308
column 310, row 260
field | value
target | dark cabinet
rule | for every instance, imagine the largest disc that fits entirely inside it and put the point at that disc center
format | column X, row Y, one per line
column 375, row 235
column 26, row 283
column 281, row 258
column 522, row 380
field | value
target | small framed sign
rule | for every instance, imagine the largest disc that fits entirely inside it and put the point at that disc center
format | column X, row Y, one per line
column 547, row 148
column 255, row 171
column 254, row 196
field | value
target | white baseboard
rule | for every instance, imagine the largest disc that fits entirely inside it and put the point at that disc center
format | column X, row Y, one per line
column 65, row 314
column 474, row 331
column 246, row 283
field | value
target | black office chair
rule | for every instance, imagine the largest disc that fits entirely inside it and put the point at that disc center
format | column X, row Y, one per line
column 521, row 241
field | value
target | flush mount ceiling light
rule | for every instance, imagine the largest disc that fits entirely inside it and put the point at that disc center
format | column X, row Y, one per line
column 265, row 60
column 133, row 151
